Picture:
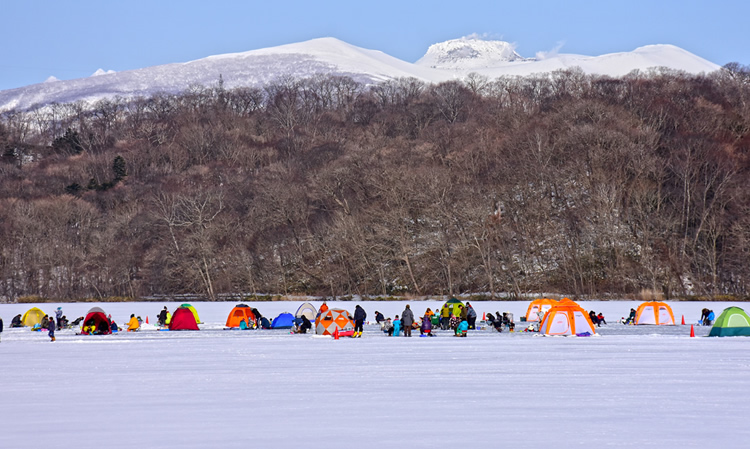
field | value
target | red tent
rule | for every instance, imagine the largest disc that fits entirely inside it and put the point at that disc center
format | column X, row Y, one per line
column 183, row 319
column 98, row 319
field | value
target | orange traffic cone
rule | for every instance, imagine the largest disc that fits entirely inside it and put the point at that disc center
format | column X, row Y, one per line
column 692, row 331
column 336, row 334
column 683, row 320
column 484, row 316
column 146, row 319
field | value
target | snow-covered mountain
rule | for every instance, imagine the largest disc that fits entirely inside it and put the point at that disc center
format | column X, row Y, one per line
column 444, row 61
column 469, row 54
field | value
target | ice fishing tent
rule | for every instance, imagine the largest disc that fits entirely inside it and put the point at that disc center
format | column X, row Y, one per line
column 330, row 320
column 97, row 318
column 283, row 321
column 733, row 322
column 32, row 316
column 452, row 305
column 183, row 320
column 195, row 312
column 566, row 318
column 538, row 307
column 307, row 310
column 654, row 312
column 239, row 313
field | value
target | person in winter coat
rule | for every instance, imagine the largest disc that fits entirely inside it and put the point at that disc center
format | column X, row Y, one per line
column 323, row 308
column 163, row 316
column 710, row 318
column 463, row 326
column 594, row 319
column 1, row 325
column 396, row 327
column 464, row 314
column 133, row 324
column 454, row 322
column 305, row 326
column 359, row 320
column 471, row 315
column 445, row 316
column 387, row 327
column 600, row 320
column 631, row 317
column 58, row 317
column 426, row 328
column 407, row 320
column 16, row 321
column 379, row 318
column 51, row 329
column 45, row 322
column 258, row 318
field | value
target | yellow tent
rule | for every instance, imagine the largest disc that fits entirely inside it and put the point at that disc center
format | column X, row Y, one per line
column 32, row 317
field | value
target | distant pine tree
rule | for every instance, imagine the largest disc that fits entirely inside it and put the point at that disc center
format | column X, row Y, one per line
column 119, row 168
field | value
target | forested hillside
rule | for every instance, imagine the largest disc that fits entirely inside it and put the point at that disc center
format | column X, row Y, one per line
column 565, row 183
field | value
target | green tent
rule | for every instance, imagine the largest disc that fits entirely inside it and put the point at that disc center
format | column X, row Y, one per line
column 452, row 305
column 733, row 322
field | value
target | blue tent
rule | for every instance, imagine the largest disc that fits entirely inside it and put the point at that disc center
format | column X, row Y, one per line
column 283, row 321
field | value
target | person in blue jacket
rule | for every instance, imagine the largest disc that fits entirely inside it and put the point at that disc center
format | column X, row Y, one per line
column 463, row 326
column 396, row 327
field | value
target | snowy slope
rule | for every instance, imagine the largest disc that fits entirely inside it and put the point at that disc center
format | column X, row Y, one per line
column 634, row 386
column 448, row 60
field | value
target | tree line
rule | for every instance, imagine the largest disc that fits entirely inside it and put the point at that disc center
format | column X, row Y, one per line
column 565, row 182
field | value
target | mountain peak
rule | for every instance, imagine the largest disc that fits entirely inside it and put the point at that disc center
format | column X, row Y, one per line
column 469, row 52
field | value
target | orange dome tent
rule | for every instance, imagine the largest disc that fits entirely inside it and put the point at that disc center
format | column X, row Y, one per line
column 566, row 318
column 537, row 307
column 239, row 313
column 328, row 321
column 654, row 312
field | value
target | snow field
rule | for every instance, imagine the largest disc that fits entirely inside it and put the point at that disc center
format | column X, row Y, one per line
column 633, row 386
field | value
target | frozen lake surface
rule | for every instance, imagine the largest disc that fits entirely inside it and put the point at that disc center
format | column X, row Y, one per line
column 631, row 386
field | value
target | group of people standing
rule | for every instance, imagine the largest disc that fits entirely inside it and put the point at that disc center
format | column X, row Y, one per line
column 459, row 324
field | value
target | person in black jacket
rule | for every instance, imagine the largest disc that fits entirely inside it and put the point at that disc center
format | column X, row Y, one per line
column 1, row 325
column 379, row 318
column 16, row 322
column 359, row 320
column 306, row 324
column 163, row 316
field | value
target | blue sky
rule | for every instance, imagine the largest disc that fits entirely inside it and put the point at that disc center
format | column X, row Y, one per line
column 72, row 39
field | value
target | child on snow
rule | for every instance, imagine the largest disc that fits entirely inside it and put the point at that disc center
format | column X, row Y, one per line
column 388, row 326
column 396, row 327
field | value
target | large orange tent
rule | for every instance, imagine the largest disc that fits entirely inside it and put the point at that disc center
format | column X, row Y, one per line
column 654, row 312
column 239, row 313
column 328, row 321
column 538, row 307
column 566, row 318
